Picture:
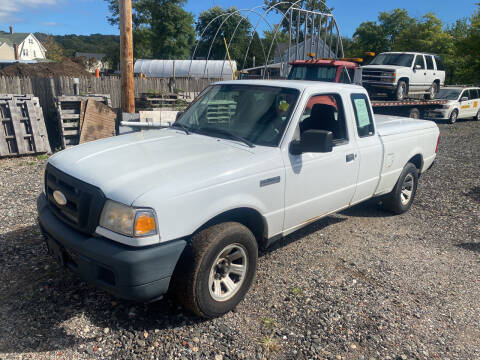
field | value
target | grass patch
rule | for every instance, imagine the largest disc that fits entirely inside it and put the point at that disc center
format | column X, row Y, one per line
column 270, row 344
column 42, row 157
column 296, row 291
column 269, row 323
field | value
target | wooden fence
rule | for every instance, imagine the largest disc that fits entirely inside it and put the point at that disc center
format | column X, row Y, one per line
column 46, row 89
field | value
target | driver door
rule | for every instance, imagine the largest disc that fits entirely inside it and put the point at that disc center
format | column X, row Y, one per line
column 321, row 183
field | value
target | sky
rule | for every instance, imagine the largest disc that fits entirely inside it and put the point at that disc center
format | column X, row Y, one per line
column 85, row 17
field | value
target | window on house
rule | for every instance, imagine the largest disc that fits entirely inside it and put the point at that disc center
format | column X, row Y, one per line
column 34, row 53
column 30, row 41
column 25, row 52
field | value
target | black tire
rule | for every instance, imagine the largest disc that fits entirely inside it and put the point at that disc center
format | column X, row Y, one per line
column 414, row 113
column 401, row 92
column 453, row 117
column 477, row 117
column 432, row 91
column 191, row 278
column 394, row 201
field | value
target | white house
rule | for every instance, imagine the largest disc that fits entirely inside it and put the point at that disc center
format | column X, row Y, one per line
column 94, row 61
column 29, row 47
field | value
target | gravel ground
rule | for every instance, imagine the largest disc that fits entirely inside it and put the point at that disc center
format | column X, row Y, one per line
column 357, row 285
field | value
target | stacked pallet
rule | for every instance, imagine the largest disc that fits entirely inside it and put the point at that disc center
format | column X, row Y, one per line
column 71, row 115
column 22, row 130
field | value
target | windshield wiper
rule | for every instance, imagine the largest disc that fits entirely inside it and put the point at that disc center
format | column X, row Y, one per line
column 228, row 134
column 182, row 127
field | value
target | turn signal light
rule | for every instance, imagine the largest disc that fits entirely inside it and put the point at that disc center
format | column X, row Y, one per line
column 145, row 224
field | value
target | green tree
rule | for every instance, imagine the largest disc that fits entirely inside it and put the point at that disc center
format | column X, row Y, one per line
column 162, row 28
column 54, row 50
column 468, row 49
column 239, row 43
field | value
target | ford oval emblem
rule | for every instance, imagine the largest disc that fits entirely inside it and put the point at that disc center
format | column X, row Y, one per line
column 60, row 199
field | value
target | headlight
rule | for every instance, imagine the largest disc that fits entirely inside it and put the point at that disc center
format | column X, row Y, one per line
column 128, row 221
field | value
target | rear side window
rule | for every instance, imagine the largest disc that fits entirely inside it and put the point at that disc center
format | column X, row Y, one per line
column 429, row 62
column 439, row 62
column 419, row 61
column 363, row 115
column 474, row 94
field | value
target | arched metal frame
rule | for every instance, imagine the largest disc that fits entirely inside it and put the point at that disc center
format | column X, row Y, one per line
column 326, row 25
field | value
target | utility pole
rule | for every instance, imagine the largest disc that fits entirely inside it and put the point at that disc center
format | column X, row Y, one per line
column 126, row 57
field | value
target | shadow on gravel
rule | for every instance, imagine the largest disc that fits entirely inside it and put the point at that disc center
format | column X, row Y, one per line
column 367, row 209
column 299, row 234
column 475, row 247
column 45, row 308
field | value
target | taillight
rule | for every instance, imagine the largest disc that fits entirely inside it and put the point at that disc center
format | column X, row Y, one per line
column 438, row 142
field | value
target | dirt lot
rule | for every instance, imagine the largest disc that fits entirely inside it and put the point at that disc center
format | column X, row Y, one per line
column 64, row 68
column 358, row 285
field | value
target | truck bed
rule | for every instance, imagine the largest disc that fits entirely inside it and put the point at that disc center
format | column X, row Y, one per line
column 388, row 125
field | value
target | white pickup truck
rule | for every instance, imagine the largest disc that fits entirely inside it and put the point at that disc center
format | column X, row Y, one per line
column 187, row 207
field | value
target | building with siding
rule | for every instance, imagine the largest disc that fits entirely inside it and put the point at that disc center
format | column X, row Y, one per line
column 28, row 46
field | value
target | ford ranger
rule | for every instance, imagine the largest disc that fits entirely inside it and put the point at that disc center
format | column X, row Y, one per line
column 187, row 207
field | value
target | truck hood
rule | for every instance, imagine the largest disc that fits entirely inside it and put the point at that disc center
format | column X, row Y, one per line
column 126, row 167
column 384, row 67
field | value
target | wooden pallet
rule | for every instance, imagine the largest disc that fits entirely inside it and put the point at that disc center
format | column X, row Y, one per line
column 69, row 110
column 22, row 130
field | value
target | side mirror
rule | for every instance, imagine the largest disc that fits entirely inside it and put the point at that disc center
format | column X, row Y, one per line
column 312, row 141
column 418, row 67
column 464, row 98
column 179, row 115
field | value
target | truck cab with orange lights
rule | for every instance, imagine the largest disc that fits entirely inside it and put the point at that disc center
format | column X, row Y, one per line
column 343, row 71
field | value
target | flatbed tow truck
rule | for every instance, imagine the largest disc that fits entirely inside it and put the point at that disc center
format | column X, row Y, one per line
column 349, row 71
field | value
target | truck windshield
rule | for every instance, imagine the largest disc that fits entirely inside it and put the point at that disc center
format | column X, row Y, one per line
column 393, row 59
column 313, row 73
column 248, row 113
column 448, row 94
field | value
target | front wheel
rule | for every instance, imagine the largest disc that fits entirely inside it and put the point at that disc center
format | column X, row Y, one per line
column 402, row 91
column 453, row 117
column 217, row 269
column 401, row 198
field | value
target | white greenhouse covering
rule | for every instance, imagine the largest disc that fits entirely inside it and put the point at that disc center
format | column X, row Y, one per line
column 185, row 68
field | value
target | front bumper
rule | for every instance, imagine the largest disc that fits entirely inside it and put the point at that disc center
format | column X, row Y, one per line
column 378, row 85
column 437, row 114
column 139, row 274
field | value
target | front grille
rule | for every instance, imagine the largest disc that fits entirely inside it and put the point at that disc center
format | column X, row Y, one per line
column 84, row 201
column 376, row 75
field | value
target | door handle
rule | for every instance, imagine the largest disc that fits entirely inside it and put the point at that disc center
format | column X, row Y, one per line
column 350, row 157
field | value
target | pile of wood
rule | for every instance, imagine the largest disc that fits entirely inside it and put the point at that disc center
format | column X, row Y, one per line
column 162, row 100
column 85, row 118
column 22, row 130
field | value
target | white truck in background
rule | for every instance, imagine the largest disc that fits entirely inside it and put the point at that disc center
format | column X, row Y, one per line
column 400, row 74
column 186, row 208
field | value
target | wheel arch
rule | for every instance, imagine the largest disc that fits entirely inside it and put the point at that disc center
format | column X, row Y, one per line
column 417, row 160
column 249, row 217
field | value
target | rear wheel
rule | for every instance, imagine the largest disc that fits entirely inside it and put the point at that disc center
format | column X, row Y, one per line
column 477, row 117
column 402, row 91
column 414, row 113
column 402, row 195
column 453, row 117
column 432, row 92
column 217, row 269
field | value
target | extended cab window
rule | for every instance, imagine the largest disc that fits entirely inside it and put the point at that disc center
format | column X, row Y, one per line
column 325, row 112
column 439, row 62
column 363, row 115
column 419, row 61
